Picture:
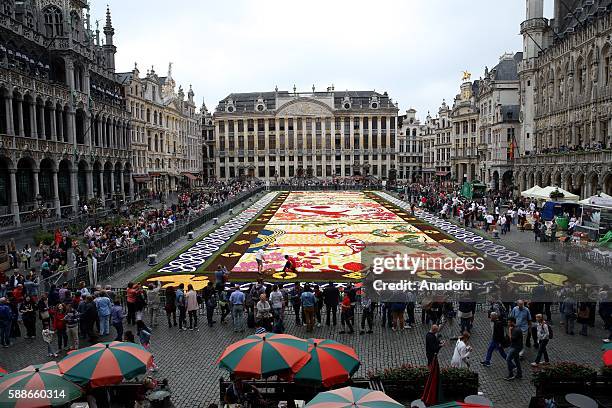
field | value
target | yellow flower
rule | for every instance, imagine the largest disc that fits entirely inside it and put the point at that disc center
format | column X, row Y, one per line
column 198, row 282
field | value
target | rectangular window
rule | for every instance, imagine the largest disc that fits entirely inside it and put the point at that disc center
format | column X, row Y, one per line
column 250, row 125
column 260, row 125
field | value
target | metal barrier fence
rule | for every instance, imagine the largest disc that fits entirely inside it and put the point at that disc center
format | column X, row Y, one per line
column 586, row 253
column 124, row 258
column 333, row 187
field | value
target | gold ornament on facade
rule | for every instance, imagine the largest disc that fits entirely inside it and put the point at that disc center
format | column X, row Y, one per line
column 466, row 76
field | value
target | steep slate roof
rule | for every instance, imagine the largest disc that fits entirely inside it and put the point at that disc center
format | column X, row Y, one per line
column 124, row 77
column 580, row 18
column 245, row 102
column 506, row 70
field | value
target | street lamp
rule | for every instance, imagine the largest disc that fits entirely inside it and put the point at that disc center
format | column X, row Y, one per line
column 40, row 210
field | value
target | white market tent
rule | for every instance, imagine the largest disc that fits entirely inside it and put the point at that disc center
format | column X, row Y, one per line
column 530, row 192
column 544, row 194
column 602, row 199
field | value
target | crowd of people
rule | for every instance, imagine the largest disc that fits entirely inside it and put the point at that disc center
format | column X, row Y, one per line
column 72, row 316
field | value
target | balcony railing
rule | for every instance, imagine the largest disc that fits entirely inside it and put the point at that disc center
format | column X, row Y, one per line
column 601, row 156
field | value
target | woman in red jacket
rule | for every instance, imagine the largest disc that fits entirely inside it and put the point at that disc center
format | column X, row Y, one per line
column 59, row 326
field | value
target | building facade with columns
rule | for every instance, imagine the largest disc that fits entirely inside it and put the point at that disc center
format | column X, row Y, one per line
column 282, row 135
column 442, row 144
column 166, row 136
column 566, row 97
column 410, row 154
column 498, row 123
column 207, row 126
column 428, row 139
column 464, row 134
column 64, row 127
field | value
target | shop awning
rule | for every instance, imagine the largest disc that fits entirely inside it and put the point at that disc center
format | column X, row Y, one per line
column 141, row 179
column 442, row 173
column 190, row 176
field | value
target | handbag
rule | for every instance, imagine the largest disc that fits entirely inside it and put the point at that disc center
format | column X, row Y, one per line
column 44, row 315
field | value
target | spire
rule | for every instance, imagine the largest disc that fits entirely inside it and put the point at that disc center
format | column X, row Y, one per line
column 204, row 108
column 108, row 27
column 169, row 70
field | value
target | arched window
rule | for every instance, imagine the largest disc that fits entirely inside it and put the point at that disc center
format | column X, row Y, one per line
column 54, row 21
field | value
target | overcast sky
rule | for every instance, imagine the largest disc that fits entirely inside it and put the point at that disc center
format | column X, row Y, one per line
column 414, row 49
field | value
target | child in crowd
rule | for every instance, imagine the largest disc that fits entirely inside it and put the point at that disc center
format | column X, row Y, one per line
column 47, row 335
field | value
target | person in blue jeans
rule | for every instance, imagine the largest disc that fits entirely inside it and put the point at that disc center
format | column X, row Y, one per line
column 6, row 320
column 516, row 346
column 497, row 340
column 522, row 317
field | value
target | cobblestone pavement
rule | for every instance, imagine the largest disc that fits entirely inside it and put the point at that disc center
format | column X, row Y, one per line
column 188, row 358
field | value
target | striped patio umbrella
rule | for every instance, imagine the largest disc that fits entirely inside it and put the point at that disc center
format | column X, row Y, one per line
column 331, row 363
column 351, row 397
column 266, row 354
column 457, row 404
column 106, row 363
column 37, row 386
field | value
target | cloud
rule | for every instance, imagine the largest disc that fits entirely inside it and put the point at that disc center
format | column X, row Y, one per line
column 415, row 50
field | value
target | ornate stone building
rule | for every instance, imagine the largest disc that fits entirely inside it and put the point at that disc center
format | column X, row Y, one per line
column 464, row 135
column 442, row 144
column 166, row 135
column 284, row 134
column 64, row 127
column 566, row 97
column 410, row 154
column 207, row 126
column 498, row 127
column 428, row 138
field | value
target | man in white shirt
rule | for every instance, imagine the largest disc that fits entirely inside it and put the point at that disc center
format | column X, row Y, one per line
column 489, row 219
column 259, row 257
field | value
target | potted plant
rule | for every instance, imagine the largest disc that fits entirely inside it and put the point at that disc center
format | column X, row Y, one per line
column 407, row 382
column 556, row 194
column 564, row 377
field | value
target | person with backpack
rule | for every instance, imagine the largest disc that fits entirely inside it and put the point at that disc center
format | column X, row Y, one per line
column 497, row 339
column 224, row 304
column 209, row 294
column 182, row 307
column 296, row 301
column 583, row 317
column 544, row 335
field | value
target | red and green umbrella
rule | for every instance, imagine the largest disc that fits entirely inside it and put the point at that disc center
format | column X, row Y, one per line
column 331, row 363
column 351, row 397
column 459, row 405
column 3, row 371
column 266, row 354
column 37, row 386
column 106, row 363
column 607, row 358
